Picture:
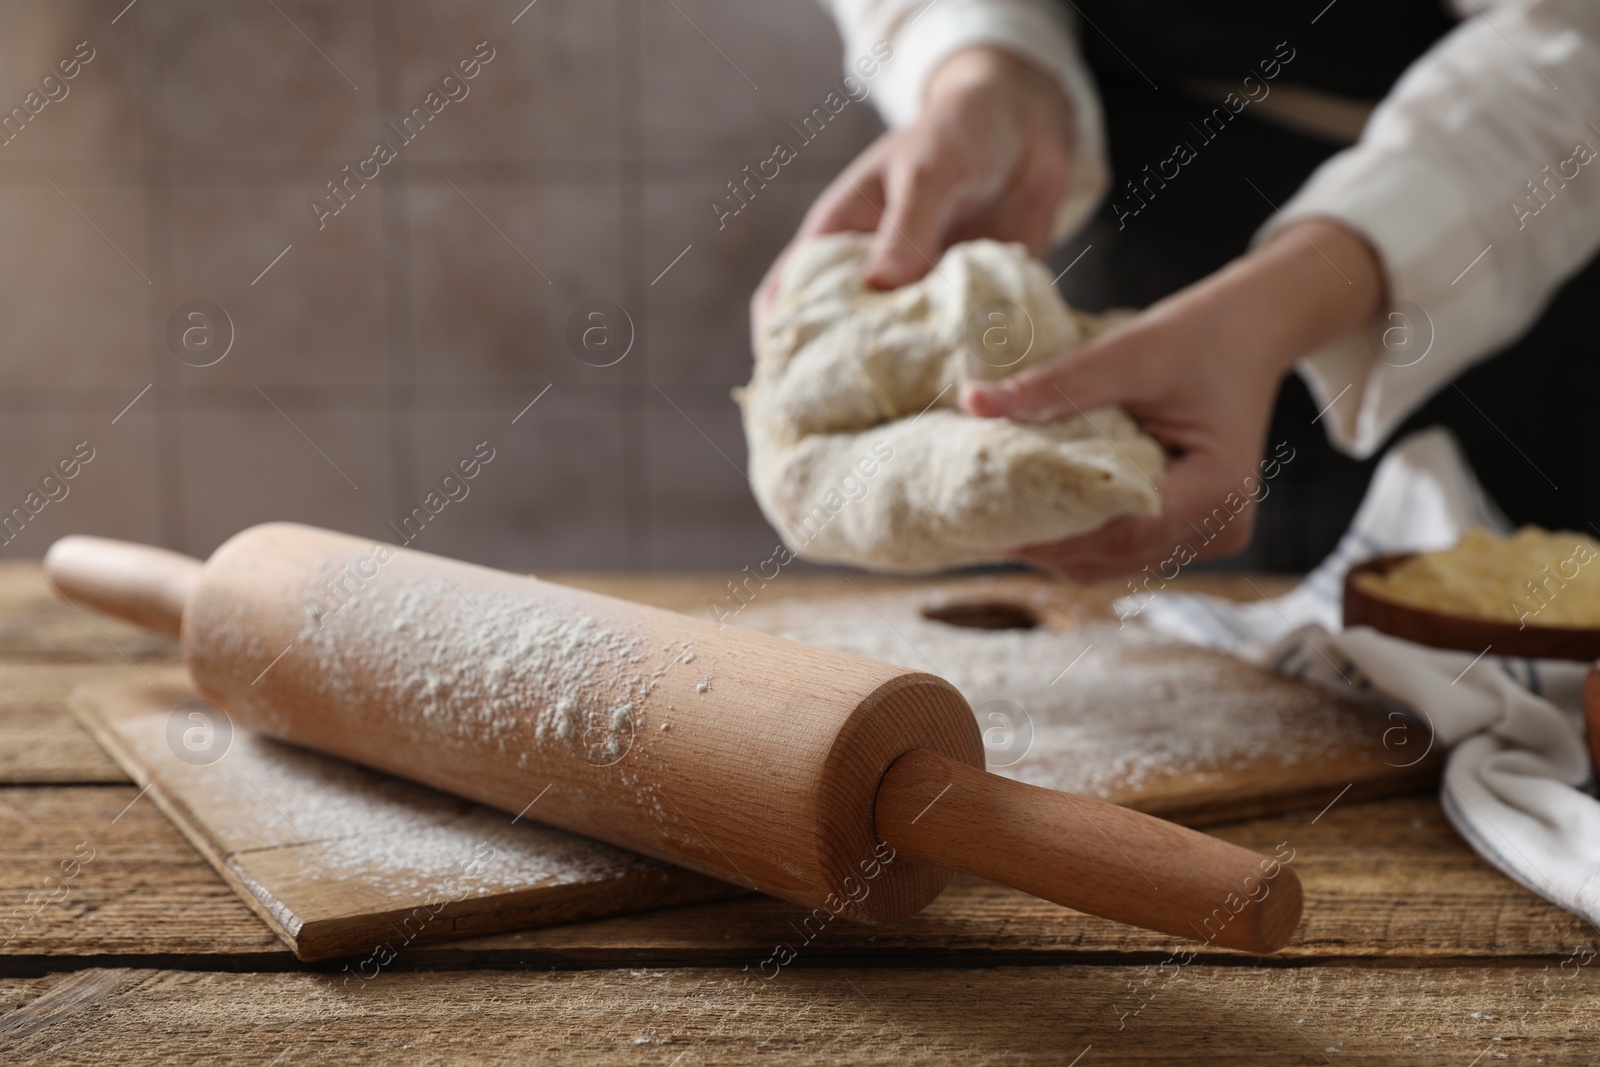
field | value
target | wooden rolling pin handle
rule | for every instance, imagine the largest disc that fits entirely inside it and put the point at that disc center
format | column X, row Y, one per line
column 1086, row 854
column 146, row 586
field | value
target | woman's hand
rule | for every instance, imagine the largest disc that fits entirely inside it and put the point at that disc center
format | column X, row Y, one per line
column 989, row 156
column 1199, row 371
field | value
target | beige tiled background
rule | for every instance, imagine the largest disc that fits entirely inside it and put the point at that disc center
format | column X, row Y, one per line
column 427, row 314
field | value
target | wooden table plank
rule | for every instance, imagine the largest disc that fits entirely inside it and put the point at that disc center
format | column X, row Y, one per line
column 40, row 740
column 1383, row 880
column 131, row 884
column 1034, row 1015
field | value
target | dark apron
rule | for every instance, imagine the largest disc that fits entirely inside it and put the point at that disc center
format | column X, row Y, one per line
column 1528, row 433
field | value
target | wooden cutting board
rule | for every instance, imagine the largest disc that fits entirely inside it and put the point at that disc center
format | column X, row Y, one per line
column 344, row 861
column 1071, row 698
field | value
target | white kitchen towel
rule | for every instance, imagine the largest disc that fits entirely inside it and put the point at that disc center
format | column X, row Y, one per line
column 1517, row 773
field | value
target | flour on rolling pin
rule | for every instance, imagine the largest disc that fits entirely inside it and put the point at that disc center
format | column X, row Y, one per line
column 469, row 669
column 1107, row 712
column 586, row 680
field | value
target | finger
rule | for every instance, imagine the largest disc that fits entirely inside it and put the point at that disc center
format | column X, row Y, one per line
column 1018, row 219
column 1070, row 384
column 1025, row 220
column 1206, row 512
column 1160, row 561
column 1026, row 213
column 840, row 208
column 923, row 194
column 852, row 202
column 1041, row 188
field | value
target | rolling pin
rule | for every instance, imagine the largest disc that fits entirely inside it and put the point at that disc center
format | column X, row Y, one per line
column 790, row 769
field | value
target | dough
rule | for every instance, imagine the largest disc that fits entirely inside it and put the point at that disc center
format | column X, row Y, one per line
column 858, row 451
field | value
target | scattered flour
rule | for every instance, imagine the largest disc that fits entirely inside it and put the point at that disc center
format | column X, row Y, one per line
column 1132, row 711
column 395, row 842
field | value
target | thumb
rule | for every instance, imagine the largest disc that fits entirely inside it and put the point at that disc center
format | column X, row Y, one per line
column 1067, row 385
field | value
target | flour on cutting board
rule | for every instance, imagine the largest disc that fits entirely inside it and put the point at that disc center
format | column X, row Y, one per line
column 482, row 854
column 1090, row 709
column 391, row 839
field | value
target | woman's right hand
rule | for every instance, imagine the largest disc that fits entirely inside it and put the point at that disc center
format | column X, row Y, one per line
column 1199, row 370
column 989, row 156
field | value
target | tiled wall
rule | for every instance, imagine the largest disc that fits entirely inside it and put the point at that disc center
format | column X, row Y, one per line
column 425, row 315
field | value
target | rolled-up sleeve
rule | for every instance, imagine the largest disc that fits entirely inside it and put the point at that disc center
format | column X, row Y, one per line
column 1478, row 182
column 924, row 34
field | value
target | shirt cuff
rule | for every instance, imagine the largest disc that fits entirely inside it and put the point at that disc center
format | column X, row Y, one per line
column 1421, row 223
column 1035, row 33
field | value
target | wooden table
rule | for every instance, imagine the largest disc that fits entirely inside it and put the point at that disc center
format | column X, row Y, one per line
column 1412, row 950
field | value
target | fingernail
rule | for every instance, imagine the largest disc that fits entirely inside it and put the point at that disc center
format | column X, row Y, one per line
column 891, row 268
column 985, row 400
column 884, row 276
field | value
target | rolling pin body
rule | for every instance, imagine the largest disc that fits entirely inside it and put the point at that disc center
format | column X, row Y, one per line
column 743, row 756
column 764, row 762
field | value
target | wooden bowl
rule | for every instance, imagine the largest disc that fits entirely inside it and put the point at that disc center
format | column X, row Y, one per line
column 1438, row 629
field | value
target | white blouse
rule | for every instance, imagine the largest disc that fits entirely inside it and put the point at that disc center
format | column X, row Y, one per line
column 1476, row 179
